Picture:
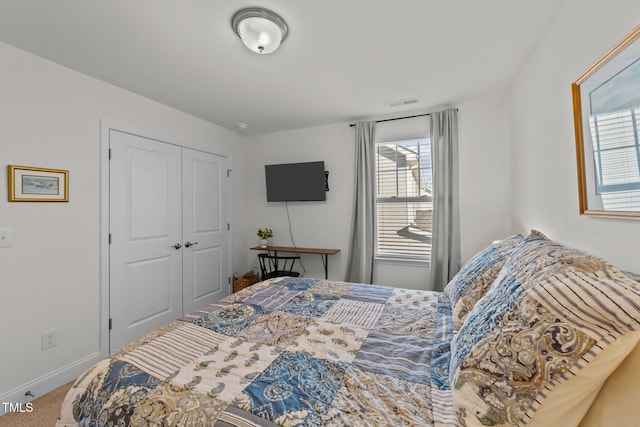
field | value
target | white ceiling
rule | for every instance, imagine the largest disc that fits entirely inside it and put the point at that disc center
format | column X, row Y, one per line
column 343, row 59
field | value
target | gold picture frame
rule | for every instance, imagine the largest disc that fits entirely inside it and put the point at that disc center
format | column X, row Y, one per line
column 602, row 191
column 31, row 184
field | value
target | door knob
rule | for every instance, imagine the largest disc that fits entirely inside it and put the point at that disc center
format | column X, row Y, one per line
column 189, row 244
column 176, row 246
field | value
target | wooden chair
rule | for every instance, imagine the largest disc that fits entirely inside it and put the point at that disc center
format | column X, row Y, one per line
column 277, row 266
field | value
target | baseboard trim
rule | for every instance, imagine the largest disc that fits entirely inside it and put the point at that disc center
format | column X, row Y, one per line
column 49, row 382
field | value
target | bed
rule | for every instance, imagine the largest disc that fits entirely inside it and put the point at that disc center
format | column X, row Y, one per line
column 527, row 333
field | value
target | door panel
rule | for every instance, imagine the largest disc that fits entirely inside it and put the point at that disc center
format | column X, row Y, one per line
column 145, row 215
column 206, row 267
column 206, row 203
column 149, row 289
column 204, row 195
column 150, row 212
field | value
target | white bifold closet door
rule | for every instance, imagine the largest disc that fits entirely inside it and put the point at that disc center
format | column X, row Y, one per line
column 205, row 228
column 169, row 231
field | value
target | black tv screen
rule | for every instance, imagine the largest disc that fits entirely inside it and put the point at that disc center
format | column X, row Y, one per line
column 295, row 182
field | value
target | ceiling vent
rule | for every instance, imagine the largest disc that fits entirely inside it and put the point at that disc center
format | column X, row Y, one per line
column 403, row 102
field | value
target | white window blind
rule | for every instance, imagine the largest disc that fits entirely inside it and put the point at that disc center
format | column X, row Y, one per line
column 616, row 150
column 404, row 201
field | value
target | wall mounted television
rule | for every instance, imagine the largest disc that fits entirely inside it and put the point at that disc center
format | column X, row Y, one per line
column 296, row 182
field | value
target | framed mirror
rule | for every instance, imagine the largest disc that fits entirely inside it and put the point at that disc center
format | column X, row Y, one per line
column 606, row 110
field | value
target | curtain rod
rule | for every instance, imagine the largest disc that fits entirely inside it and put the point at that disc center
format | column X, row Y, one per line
column 398, row 118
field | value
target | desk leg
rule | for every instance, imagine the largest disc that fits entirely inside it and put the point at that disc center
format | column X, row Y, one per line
column 275, row 261
column 325, row 262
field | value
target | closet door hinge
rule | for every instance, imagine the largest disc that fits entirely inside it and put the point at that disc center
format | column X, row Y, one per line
column 229, row 173
column 228, row 226
column 109, row 238
column 109, row 153
column 229, row 279
column 110, row 323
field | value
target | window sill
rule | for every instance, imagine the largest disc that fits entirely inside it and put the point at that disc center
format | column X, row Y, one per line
column 401, row 261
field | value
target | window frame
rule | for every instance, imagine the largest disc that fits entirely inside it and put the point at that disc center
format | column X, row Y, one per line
column 390, row 256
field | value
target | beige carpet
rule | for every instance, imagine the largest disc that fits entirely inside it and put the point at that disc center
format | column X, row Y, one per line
column 45, row 411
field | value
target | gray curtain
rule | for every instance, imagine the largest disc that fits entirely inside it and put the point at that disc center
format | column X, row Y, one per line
column 361, row 246
column 445, row 244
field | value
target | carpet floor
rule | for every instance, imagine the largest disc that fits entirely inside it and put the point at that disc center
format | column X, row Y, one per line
column 46, row 410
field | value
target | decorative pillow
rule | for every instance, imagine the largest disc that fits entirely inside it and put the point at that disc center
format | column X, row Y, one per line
column 476, row 276
column 551, row 311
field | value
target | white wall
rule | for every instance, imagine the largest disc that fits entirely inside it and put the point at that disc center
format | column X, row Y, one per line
column 313, row 224
column 484, row 204
column 544, row 176
column 50, row 117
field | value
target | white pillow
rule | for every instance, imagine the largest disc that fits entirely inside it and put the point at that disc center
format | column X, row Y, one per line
column 617, row 403
column 568, row 403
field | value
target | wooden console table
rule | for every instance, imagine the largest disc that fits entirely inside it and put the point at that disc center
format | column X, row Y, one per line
column 324, row 253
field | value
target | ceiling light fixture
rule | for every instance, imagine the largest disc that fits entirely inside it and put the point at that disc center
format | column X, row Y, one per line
column 260, row 29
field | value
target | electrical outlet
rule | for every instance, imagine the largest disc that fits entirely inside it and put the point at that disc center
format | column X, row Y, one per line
column 49, row 338
column 6, row 237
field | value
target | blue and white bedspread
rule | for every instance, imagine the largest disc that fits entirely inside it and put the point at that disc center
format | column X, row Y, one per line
column 290, row 351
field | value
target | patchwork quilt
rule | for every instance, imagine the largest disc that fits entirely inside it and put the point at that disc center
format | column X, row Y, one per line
column 288, row 351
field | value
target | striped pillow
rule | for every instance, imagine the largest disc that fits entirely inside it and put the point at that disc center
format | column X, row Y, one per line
column 551, row 311
column 476, row 276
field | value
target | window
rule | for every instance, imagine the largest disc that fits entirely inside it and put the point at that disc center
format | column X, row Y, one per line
column 404, row 201
column 616, row 150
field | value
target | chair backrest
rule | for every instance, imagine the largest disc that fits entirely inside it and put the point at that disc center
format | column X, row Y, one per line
column 277, row 266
